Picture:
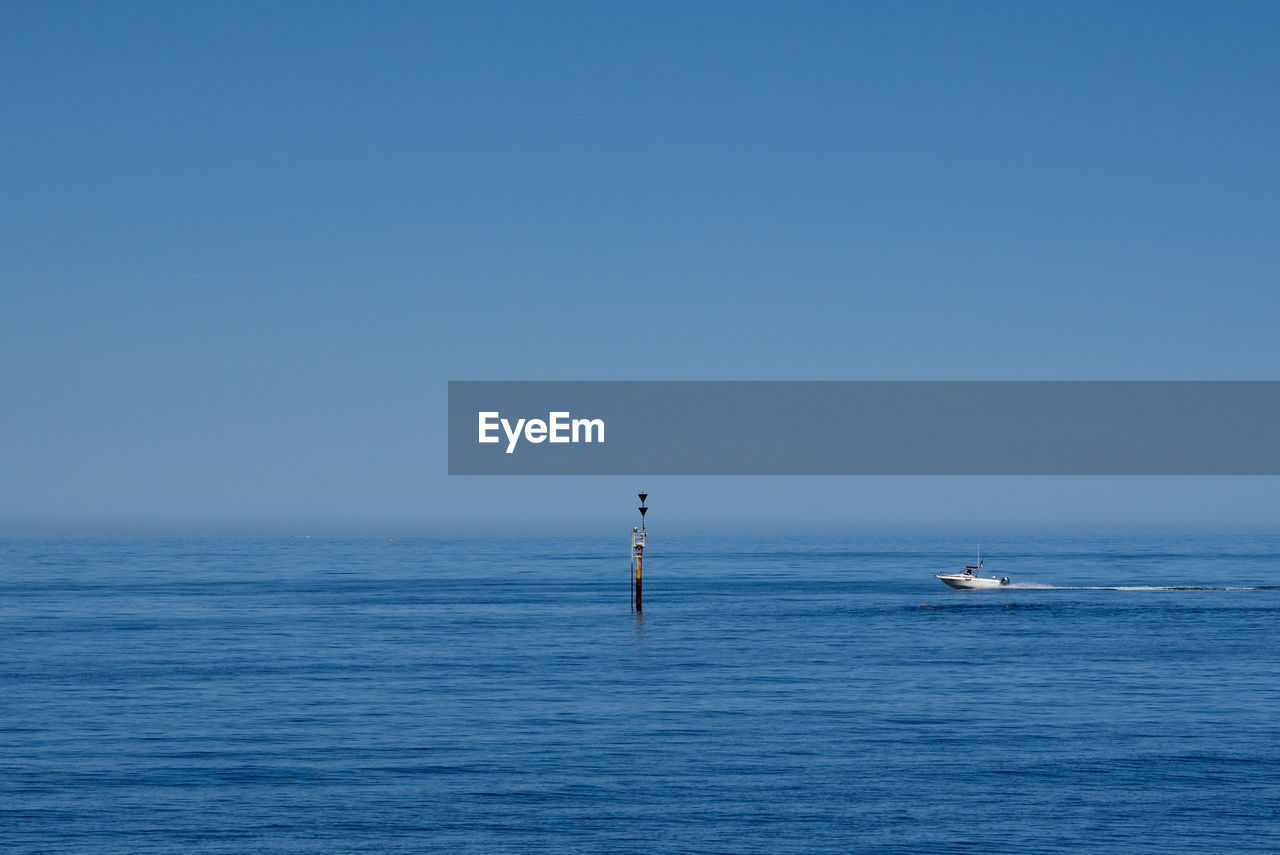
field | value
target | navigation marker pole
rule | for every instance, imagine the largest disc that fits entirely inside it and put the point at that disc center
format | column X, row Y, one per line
column 637, row 555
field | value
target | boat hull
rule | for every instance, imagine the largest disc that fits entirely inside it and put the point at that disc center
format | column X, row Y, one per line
column 966, row 582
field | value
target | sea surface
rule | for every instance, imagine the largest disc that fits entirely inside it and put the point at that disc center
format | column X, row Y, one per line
column 776, row 695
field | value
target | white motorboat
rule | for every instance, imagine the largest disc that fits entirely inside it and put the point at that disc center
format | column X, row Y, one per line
column 970, row 579
column 965, row 580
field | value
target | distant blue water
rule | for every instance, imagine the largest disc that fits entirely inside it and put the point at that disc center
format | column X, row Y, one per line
column 778, row 695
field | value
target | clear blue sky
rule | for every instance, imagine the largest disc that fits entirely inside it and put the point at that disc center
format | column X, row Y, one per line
column 245, row 246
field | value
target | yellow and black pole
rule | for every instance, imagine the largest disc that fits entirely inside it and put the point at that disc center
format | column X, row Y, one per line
column 637, row 556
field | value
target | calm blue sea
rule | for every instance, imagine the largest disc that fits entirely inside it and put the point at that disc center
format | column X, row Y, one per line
column 778, row 695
